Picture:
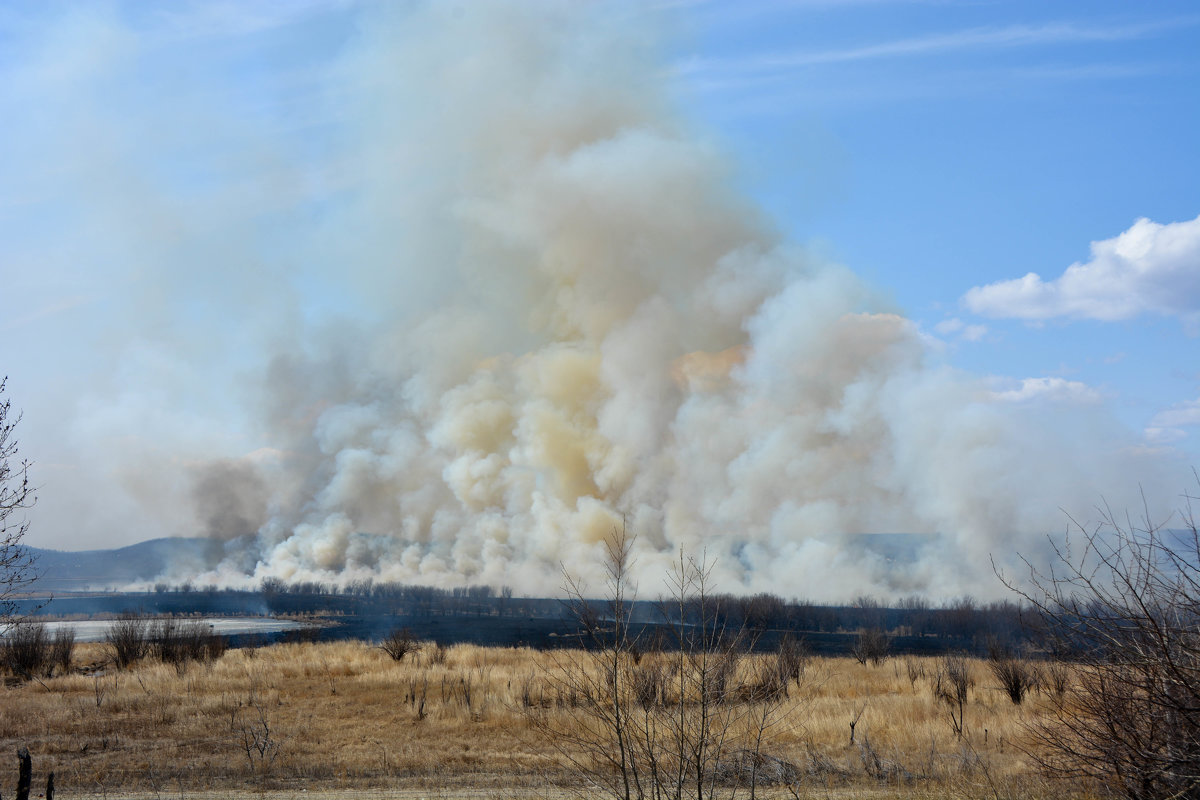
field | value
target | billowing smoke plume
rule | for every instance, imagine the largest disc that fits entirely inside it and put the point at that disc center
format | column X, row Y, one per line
column 582, row 326
column 556, row 317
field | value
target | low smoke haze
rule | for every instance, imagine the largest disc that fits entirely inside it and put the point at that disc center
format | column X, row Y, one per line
column 445, row 293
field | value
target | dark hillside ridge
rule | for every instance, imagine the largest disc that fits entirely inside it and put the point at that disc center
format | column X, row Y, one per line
column 81, row 570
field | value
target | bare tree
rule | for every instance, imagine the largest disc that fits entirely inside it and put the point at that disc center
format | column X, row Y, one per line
column 871, row 644
column 1122, row 601
column 596, row 687
column 16, row 496
column 688, row 721
column 951, row 684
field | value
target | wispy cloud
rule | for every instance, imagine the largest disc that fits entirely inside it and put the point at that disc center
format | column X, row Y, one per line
column 764, row 66
column 232, row 19
column 57, row 307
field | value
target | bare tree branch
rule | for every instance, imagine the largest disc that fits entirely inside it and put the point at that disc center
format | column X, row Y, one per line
column 1126, row 612
column 16, row 496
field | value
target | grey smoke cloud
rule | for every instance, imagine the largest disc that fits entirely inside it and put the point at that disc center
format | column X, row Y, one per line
column 230, row 498
column 513, row 303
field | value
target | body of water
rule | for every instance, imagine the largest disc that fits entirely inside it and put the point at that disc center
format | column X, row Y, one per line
column 94, row 630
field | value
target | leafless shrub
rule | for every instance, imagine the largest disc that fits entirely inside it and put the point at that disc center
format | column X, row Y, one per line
column 872, row 645
column 1015, row 675
column 693, row 722
column 30, row 652
column 26, row 651
column 128, row 640
column 791, row 659
column 1057, row 677
column 915, row 670
column 766, row 682
column 100, row 687
column 215, row 646
column 722, row 670
column 530, row 698
column 62, row 649
column 256, row 736
column 951, row 684
column 399, row 643
column 1122, row 602
column 647, row 685
column 179, row 643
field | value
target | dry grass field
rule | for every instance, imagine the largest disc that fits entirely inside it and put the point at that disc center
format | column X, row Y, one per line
column 344, row 719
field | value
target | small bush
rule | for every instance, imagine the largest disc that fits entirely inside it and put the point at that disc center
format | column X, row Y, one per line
column 178, row 643
column 128, row 640
column 872, row 645
column 915, row 670
column 1016, row 677
column 62, row 649
column 399, row 643
column 647, row 685
column 791, row 658
column 26, row 650
column 1058, row 678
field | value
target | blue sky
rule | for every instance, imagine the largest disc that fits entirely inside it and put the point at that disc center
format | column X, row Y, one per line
column 196, row 195
column 936, row 147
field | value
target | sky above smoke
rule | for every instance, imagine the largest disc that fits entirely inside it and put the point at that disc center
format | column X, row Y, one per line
column 446, row 293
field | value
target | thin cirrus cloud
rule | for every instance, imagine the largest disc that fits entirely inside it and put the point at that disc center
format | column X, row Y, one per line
column 51, row 309
column 1151, row 268
column 759, row 67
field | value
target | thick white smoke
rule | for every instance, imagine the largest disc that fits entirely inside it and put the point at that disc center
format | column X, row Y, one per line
column 584, row 326
column 518, row 304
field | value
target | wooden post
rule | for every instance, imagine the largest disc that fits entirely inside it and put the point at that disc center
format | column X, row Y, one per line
column 25, row 776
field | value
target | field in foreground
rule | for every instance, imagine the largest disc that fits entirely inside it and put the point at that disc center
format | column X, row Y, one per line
column 344, row 719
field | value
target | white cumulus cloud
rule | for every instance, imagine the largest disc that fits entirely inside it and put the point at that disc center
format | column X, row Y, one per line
column 1150, row 268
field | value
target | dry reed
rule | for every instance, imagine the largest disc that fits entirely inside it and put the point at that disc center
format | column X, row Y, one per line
column 346, row 715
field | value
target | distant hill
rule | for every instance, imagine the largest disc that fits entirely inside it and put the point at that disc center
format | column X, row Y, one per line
column 63, row 570
column 178, row 558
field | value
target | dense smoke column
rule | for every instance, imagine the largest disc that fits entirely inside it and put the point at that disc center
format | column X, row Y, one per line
column 570, row 321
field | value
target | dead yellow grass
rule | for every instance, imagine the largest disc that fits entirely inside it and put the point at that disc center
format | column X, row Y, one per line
column 344, row 716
